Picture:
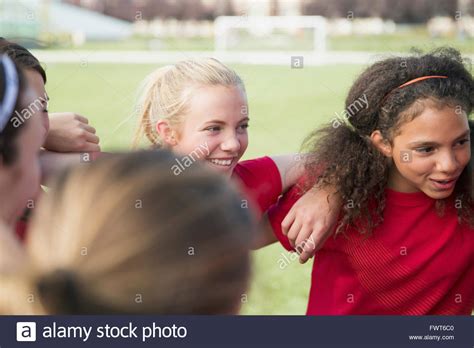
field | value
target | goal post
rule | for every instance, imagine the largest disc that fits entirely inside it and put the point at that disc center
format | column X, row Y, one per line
column 269, row 29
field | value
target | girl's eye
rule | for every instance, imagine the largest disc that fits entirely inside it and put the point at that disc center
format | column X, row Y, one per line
column 213, row 129
column 243, row 127
column 425, row 150
column 464, row 141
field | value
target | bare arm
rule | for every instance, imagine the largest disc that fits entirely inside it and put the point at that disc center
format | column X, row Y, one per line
column 53, row 162
column 310, row 221
column 70, row 132
column 291, row 168
column 265, row 236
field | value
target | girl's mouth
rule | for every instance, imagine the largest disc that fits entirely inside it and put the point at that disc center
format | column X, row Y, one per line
column 221, row 162
column 444, row 185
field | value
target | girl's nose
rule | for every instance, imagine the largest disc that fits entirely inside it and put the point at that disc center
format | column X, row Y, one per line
column 231, row 144
column 448, row 163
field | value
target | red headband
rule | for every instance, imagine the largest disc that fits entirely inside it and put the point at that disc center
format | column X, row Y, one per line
column 421, row 79
column 418, row 79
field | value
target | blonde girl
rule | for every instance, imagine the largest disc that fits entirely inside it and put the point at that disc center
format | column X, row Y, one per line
column 198, row 109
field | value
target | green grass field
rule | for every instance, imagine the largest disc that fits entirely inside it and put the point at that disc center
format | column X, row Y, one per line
column 285, row 104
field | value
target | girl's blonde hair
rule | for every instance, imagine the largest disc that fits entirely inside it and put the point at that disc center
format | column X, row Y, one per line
column 127, row 236
column 166, row 93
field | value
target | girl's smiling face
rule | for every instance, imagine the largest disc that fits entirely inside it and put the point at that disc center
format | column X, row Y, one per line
column 214, row 127
column 430, row 152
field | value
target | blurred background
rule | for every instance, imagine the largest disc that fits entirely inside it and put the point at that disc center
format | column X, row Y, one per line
column 297, row 58
column 362, row 25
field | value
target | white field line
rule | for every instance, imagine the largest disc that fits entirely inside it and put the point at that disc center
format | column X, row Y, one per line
column 257, row 58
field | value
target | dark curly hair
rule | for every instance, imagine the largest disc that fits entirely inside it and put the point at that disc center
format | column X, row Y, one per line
column 342, row 154
column 9, row 135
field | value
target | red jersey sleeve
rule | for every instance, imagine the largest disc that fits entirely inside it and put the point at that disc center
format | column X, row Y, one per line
column 278, row 212
column 261, row 181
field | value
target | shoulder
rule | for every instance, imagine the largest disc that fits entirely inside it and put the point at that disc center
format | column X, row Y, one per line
column 255, row 165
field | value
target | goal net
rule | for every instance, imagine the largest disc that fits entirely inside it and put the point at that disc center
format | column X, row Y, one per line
column 270, row 33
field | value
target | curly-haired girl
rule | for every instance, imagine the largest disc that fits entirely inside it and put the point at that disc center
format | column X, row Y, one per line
column 405, row 238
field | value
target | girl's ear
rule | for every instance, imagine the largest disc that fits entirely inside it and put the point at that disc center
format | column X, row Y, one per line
column 382, row 144
column 166, row 133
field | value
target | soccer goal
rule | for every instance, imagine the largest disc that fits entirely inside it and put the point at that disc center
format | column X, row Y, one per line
column 270, row 33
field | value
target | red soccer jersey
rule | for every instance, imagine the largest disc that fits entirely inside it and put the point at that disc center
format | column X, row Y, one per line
column 415, row 263
column 260, row 181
